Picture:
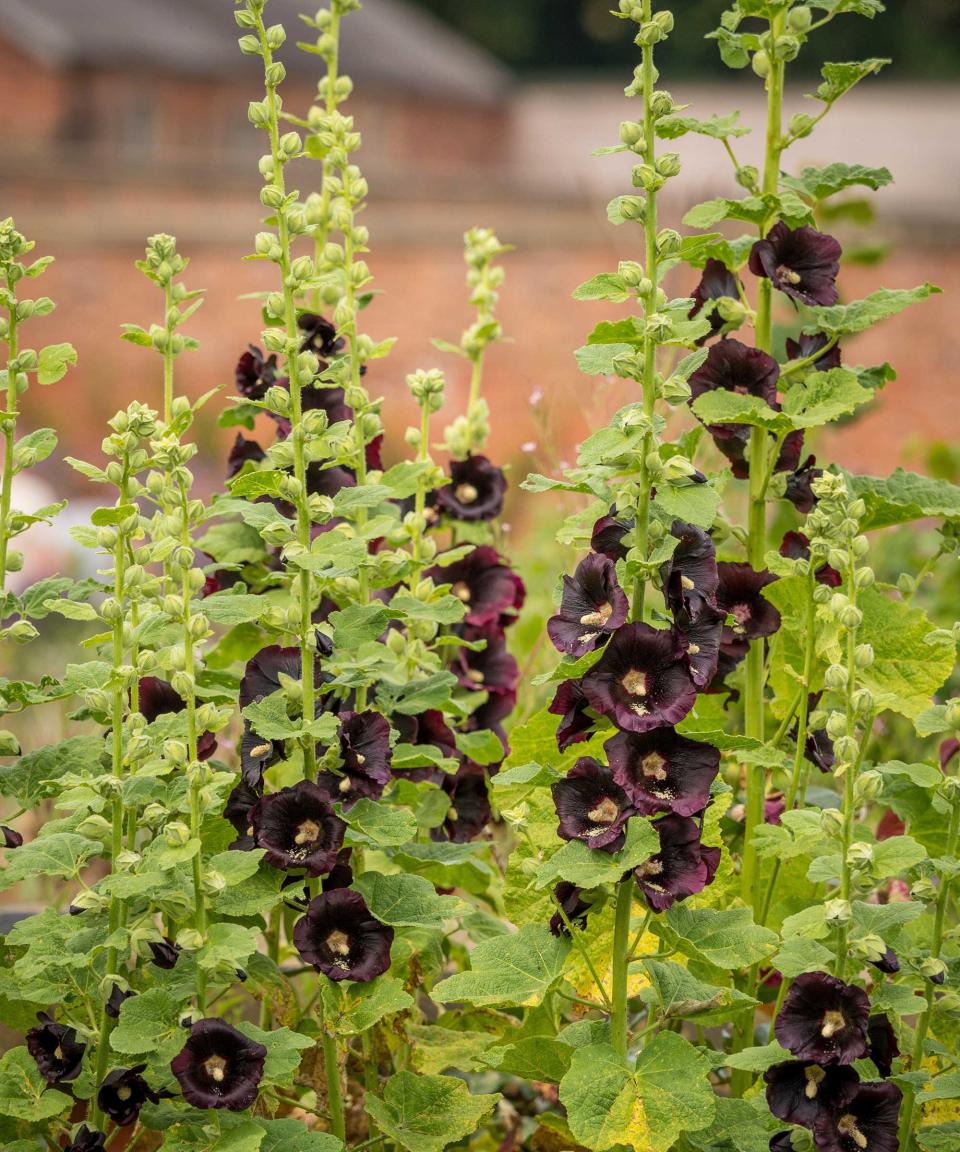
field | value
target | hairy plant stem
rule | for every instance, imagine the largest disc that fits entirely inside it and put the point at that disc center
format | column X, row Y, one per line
column 322, row 232
column 9, row 437
column 331, row 1066
column 621, row 949
column 850, row 772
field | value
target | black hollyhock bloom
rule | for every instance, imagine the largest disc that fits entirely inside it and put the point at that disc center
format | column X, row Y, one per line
column 157, row 697
column 592, row 806
column 690, row 576
column 796, row 546
column 243, row 450
column 367, row 755
column 475, row 491
column 882, row 1043
column 867, row 1121
column 575, row 908
column 11, row 838
column 662, row 771
column 469, row 812
column 339, row 876
column 87, row 1140
column 801, row 262
column 123, row 1093
column 641, row 681
column 256, row 756
column 739, row 595
column 219, row 1067
column 592, row 607
column 55, row 1048
column 733, row 651
column 340, row 938
column 298, row 828
column 607, row 537
column 781, row 1142
column 240, row 803
column 799, row 1091
column 799, row 490
column 164, row 953
column 571, row 705
column 254, row 374
column 488, row 588
column 115, row 999
column 319, row 335
column 818, row 747
column 824, row 1020
column 716, row 282
column 809, row 345
column 888, row 963
column 491, row 669
column 701, row 641
column 491, row 714
column 431, row 729
column 683, row 866
column 790, row 452
column 948, row 749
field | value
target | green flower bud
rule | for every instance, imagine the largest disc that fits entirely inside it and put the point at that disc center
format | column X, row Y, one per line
column 631, row 133
column 190, row 940
column 836, row 725
column 761, row 64
column 846, row 749
column 837, row 911
column 863, row 656
column 859, row 853
column 951, row 712
column 924, row 890
column 867, row 786
column 850, row 617
column 835, row 678
column 800, row 19
column 669, row 164
column 176, row 834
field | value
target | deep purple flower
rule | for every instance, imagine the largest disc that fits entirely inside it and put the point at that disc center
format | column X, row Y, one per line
column 240, row 803
column 341, row 939
column 948, row 749
column 796, row 546
column 799, row 1090
column 700, row 642
column 328, row 480
column 607, row 537
column 774, row 806
column 824, row 1020
column 469, row 812
column 256, row 756
column 662, row 771
column 740, row 596
column 491, row 714
column 641, row 681
column 319, row 336
column 592, row 607
column 11, row 838
column 571, row 705
column 488, row 588
column 866, row 1122
column 219, row 1067
column 733, row 651
column 123, row 1093
column 801, row 262
column 882, row 1043
column 806, row 346
column 164, row 953
column 254, row 374
column 429, row 729
column 115, row 1000
column 781, row 1142
column 340, row 875
column 818, row 747
column 243, row 450
column 87, row 1140
column 690, row 576
column 56, row 1050
column 475, row 491
column 592, row 806
column 157, row 697
column 799, row 490
column 788, row 459
column 575, row 908
column 492, row 668
column 298, row 828
column 889, row 963
column 716, row 283
column 683, row 867
column 367, row 756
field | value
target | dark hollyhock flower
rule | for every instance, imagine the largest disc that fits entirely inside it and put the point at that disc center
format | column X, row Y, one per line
column 164, row 953
column 774, row 806
column 592, row 607
column 575, row 908
column 264, row 670
column 488, row 588
column 608, row 534
column 367, row 756
column 114, row 1000
column 683, row 866
column 807, row 345
column 55, row 1048
column 428, row 729
column 254, row 374
column 256, row 756
column 781, row 1142
column 87, row 1140
column 592, row 806
column 339, row 876
column 641, row 681
column 157, row 697
column 799, row 1091
column 948, row 749
column 700, row 642
column 888, row 963
column 492, row 668
column 733, row 651
column 867, row 1121
column 491, row 714
column 475, row 491
column 571, row 705
column 298, row 828
column 325, row 480
column 11, row 838
column 662, row 771
column 469, row 812
column 796, row 546
column 799, row 490
column 824, row 1020
column 690, row 576
column 123, row 1093
column 791, row 450
column 882, row 1043
column 818, row 749
column 740, row 596
column 240, row 803
column 219, row 1067
column 340, row 938
column 716, row 283
column 243, row 450
column 801, row 262
column 319, row 336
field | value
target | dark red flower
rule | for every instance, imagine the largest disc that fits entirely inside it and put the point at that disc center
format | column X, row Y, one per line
column 641, row 681
column 115, row 1000
column 164, row 953
column 608, row 534
column 740, row 596
column 733, row 651
column 475, row 491
column 690, row 576
column 882, row 1043
column 774, row 806
column 662, row 771
column 11, row 838
column 491, row 714
column 801, row 262
column 254, row 374
column 716, row 283
column 796, row 546
column 824, row 1020
column 888, row 963
column 156, row 697
column 867, row 1121
column 781, row 1142
column 807, row 345
column 701, row 641
column 592, row 806
column 240, row 803
column 367, row 756
column 469, row 812
column 488, row 588
column 571, row 705
column 788, row 459
column 243, row 450
column 56, row 1050
column 799, row 490
column 341, row 939
column 298, row 828
column 219, row 1067
column 818, row 749
column 340, row 875
column 575, row 908
column 799, row 1090
column 592, row 607
column 123, row 1093
column 492, row 668
column 87, row 1140
column 683, row 867
column 428, row 729
column 948, row 749
column 328, row 480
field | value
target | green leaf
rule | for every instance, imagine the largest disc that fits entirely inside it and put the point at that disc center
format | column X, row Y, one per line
column 230, row 609
column 720, row 407
column 53, row 361
column 24, row 1093
column 838, row 79
column 517, row 969
column 283, row 1050
column 758, row 1059
column 72, row 609
column 605, row 286
column 426, row 1113
column 682, row 996
column 350, row 1008
column 939, row 1137
column 590, row 867
column 482, row 747
column 62, row 854
column 903, row 497
column 33, row 448
column 725, row 938
column 37, row 775
column 289, row 1135
column 845, row 319
column 717, row 127
column 149, row 1023
column 533, row 1058
column 600, row 359
column 441, row 609
column 227, row 946
column 382, row 825
column 820, row 183
column 358, row 624
column 692, row 503
column 798, row 955
column 822, row 397
column 407, row 901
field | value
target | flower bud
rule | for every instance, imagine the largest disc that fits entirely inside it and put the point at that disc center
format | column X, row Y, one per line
column 668, row 165
column 924, row 890
column 175, row 751
column 836, row 725
column 863, row 656
column 631, row 133
column 176, row 834
column 800, row 19
column 864, row 577
column 761, row 64
column 850, row 617
column 952, row 712
column 862, row 700
column 189, row 939
column 867, row 786
column 846, row 749
column 837, row 911
column 831, row 821
column 859, row 853
column 835, row 678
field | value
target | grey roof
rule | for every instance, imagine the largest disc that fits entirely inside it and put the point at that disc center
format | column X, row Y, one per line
column 388, row 44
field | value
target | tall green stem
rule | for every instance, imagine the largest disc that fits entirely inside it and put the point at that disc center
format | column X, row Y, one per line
column 850, row 774
column 9, row 438
column 621, row 953
column 331, row 1065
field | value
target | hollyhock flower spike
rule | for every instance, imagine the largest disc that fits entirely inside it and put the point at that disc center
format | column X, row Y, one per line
column 123, row 1093
column 716, row 283
column 341, row 939
column 298, row 828
column 799, row 1090
column 475, row 491
column 662, row 771
column 800, row 262
column 490, row 591
column 683, row 867
column 740, row 595
column 824, row 1020
column 56, row 1050
column 593, row 606
column 367, row 756
column 592, row 806
column 219, row 1067
column 866, row 1121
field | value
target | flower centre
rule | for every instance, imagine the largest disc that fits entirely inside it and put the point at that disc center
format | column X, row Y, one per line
column 453, row 815
column 339, row 943
column 343, row 787
column 260, row 751
column 847, row 1126
column 833, row 1022
column 815, row 1076
column 599, row 617
column 653, row 867
column 654, row 766
column 466, row 493
column 787, row 275
column 741, row 615
column 462, row 591
column 686, row 583
column 124, row 1093
column 606, row 812
column 635, row 682
column 475, row 675
column 58, row 1053
column 308, row 832
column 216, row 1068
